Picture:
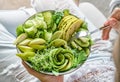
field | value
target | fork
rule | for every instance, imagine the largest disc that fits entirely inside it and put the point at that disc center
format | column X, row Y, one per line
column 86, row 33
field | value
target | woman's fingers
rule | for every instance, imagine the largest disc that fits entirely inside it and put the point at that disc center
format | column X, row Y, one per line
column 105, row 33
column 112, row 23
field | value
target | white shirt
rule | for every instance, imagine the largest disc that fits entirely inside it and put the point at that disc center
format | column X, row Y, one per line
column 11, row 69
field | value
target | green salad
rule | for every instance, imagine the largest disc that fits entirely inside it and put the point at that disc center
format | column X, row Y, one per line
column 44, row 41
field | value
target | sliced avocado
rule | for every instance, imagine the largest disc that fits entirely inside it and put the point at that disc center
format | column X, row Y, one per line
column 59, row 67
column 70, row 62
column 47, row 35
column 39, row 16
column 84, row 39
column 59, row 59
column 28, row 24
column 57, row 35
column 31, row 31
column 87, row 51
column 48, row 18
column 80, row 43
column 58, row 43
column 74, row 45
column 54, row 27
column 40, row 24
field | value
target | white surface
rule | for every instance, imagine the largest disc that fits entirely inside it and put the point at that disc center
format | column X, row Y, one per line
column 93, row 14
column 12, row 18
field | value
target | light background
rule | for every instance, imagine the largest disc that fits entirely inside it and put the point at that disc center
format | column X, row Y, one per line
column 102, row 5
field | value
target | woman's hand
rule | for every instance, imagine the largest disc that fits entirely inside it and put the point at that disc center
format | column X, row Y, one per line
column 43, row 77
column 114, row 22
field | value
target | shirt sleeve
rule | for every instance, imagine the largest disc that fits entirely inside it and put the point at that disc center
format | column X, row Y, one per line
column 11, row 69
column 12, row 18
column 114, row 4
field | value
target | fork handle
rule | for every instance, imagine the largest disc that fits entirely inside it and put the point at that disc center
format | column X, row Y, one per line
column 98, row 29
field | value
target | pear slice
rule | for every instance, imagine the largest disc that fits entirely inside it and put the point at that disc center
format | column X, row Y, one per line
column 25, row 42
column 68, row 24
column 64, row 20
column 80, row 43
column 25, row 49
column 69, row 32
column 38, row 47
column 37, row 41
column 57, row 35
column 20, row 38
column 26, row 55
